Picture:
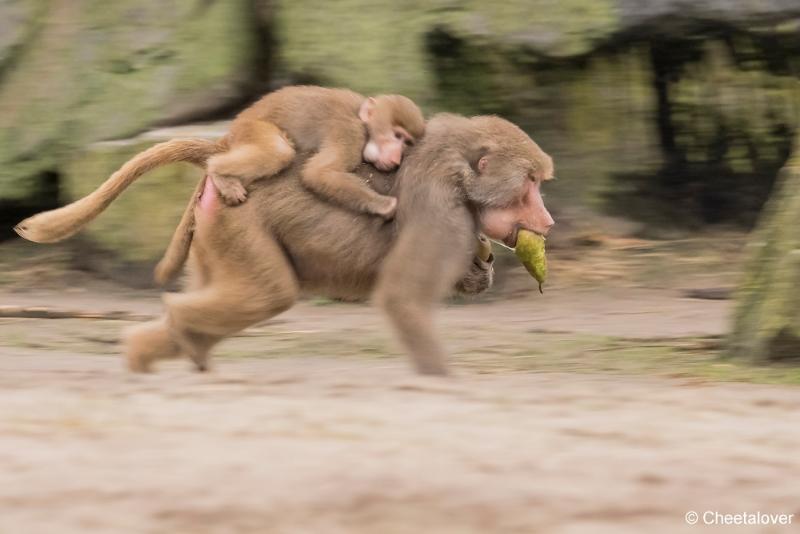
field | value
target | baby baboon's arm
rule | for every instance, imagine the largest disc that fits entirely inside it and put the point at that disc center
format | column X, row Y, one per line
column 327, row 174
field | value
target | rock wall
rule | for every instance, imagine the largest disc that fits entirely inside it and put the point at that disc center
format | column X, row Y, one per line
column 766, row 321
column 692, row 102
column 73, row 72
column 668, row 110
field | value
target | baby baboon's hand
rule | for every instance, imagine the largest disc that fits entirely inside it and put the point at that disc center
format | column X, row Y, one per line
column 231, row 190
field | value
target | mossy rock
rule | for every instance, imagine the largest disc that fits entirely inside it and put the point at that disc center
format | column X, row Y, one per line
column 18, row 21
column 371, row 48
column 95, row 70
column 766, row 324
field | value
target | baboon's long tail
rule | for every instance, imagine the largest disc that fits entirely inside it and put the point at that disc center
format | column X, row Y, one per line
column 55, row 225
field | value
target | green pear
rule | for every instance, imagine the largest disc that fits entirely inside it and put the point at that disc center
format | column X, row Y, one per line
column 530, row 251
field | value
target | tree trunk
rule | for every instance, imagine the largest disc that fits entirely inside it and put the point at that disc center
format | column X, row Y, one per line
column 766, row 323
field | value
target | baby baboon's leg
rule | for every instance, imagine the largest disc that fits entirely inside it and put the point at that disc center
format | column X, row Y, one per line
column 325, row 174
column 244, row 278
column 257, row 149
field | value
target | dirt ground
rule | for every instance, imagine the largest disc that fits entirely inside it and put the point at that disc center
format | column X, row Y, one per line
column 601, row 406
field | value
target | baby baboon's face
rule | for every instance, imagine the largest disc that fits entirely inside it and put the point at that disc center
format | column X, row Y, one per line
column 393, row 123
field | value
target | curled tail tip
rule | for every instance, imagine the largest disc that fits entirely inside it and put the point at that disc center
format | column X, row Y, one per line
column 42, row 230
column 20, row 230
column 32, row 232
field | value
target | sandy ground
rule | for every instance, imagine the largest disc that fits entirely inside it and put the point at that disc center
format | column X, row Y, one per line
column 281, row 438
column 325, row 445
column 595, row 408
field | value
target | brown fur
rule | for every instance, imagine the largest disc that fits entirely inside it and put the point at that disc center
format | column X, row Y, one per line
column 250, row 263
column 334, row 124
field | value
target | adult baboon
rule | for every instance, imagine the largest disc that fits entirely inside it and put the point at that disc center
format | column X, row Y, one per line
column 250, row 262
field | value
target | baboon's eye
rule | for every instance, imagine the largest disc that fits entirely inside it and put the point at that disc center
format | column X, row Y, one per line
column 401, row 135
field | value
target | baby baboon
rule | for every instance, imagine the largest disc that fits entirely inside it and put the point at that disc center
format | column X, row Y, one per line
column 339, row 126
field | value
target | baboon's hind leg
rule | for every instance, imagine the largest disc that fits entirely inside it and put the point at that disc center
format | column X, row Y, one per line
column 248, row 283
column 147, row 342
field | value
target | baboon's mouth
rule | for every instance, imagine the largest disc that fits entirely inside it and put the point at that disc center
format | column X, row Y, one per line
column 511, row 239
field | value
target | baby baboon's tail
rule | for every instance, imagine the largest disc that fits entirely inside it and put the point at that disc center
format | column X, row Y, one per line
column 55, row 225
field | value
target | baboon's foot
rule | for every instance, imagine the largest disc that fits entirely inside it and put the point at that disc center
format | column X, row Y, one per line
column 231, row 190
column 146, row 343
column 197, row 346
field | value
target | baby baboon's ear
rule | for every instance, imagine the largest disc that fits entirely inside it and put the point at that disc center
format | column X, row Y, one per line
column 367, row 107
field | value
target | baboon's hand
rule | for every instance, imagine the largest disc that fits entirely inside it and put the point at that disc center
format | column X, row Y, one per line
column 484, row 251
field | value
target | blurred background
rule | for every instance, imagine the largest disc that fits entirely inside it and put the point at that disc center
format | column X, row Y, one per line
column 667, row 119
column 675, row 113
column 675, row 254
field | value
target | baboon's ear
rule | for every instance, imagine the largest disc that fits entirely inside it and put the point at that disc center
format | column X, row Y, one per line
column 483, row 163
column 367, row 107
column 479, row 156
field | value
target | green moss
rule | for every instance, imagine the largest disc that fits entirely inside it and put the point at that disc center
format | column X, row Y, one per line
column 22, row 23
column 553, row 29
column 367, row 46
column 481, row 351
column 693, row 358
column 362, row 45
column 472, row 76
column 766, row 322
column 734, row 111
column 102, row 70
column 228, row 59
